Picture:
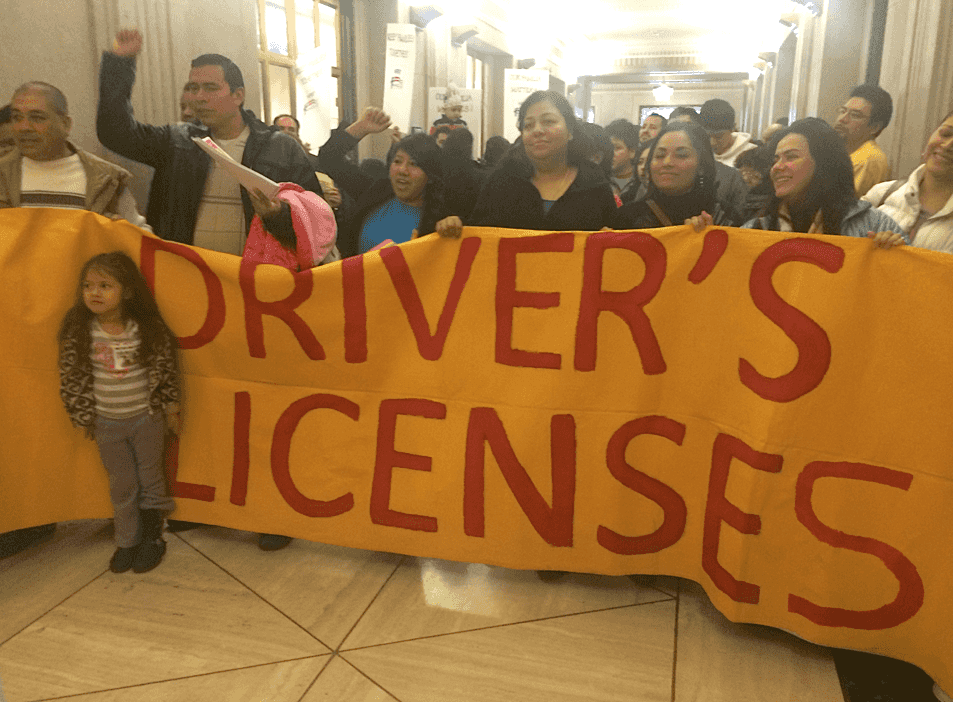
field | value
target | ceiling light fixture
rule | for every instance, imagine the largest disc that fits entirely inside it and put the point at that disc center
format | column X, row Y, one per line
column 663, row 92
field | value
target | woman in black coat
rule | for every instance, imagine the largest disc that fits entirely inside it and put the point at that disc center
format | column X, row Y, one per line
column 681, row 183
column 545, row 182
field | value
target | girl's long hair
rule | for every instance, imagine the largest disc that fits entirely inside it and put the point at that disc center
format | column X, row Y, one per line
column 137, row 304
column 429, row 157
column 831, row 190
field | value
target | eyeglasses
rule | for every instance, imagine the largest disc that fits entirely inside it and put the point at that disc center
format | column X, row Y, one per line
column 855, row 115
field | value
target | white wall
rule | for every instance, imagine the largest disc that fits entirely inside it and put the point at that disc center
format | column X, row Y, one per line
column 614, row 101
column 27, row 53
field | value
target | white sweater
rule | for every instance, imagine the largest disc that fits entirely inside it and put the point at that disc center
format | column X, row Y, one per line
column 903, row 206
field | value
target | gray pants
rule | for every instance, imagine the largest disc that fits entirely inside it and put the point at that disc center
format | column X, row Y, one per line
column 132, row 451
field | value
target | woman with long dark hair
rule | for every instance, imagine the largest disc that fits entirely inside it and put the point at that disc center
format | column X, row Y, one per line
column 681, row 183
column 409, row 200
column 546, row 182
column 814, row 187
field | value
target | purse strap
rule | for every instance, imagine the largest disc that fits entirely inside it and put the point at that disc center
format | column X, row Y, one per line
column 659, row 215
column 890, row 191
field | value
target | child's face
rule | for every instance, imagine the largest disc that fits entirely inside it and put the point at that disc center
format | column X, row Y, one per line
column 102, row 294
column 453, row 112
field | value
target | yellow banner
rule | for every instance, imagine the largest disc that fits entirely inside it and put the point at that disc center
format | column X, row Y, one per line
column 767, row 416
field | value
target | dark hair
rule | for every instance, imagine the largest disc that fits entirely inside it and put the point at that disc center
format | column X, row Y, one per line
column 881, row 104
column 5, row 114
column 705, row 175
column 459, row 143
column 831, row 190
column 373, row 168
column 495, row 147
column 656, row 114
column 576, row 150
column 233, row 75
column 717, row 115
column 684, row 111
column 759, row 159
column 624, row 131
column 429, row 158
column 598, row 142
column 442, row 129
column 783, row 121
column 54, row 96
column 647, row 144
column 137, row 304
column 274, row 122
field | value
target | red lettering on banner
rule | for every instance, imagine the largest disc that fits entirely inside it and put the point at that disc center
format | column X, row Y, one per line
column 430, row 346
column 215, row 316
column 255, row 309
column 627, row 305
column 240, row 442
column 909, row 598
column 554, row 524
column 508, row 297
column 190, row 491
column 281, row 448
column 716, row 242
column 389, row 458
column 718, row 509
column 355, row 310
column 814, row 346
column 672, row 504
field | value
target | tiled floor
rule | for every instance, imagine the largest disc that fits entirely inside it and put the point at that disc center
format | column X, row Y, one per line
column 220, row 620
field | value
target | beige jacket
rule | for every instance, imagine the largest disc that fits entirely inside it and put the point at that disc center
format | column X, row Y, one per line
column 106, row 185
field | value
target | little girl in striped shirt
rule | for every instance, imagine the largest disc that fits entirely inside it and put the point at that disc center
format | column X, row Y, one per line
column 119, row 380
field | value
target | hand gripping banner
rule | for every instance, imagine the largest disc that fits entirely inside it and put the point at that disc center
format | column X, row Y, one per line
column 765, row 414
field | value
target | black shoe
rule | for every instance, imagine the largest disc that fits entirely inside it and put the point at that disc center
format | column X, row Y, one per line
column 15, row 541
column 148, row 556
column 177, row 525
column 123, row 559
column 272, row 542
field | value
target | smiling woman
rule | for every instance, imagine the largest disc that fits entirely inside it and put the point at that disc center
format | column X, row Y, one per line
column 814, row 186
column 545, row 182
column 681, row 182
column 923, row 203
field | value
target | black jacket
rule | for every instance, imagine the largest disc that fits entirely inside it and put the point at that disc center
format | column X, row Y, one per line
column 368, row 193
column 181, row 167
column 510, row 200
column 638, row 215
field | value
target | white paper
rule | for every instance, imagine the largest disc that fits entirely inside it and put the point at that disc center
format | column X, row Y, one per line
column 243, row 174
column 519, row 84
column 399, row 64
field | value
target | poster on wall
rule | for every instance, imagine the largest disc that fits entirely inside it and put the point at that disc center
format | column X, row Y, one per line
column 399, row 63
column 319, row 111
column 472, row 99
column 517, row 85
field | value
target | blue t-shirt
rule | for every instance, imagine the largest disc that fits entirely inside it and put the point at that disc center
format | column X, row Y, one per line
column 391, row 220
column 547, row 206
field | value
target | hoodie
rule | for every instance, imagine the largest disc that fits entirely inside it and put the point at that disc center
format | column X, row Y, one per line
column 741, row 143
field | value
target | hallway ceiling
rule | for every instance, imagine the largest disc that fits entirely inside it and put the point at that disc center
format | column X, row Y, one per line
column 706, row 34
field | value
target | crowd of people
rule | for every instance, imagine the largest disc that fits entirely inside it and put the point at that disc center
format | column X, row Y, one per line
column 693, row 168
